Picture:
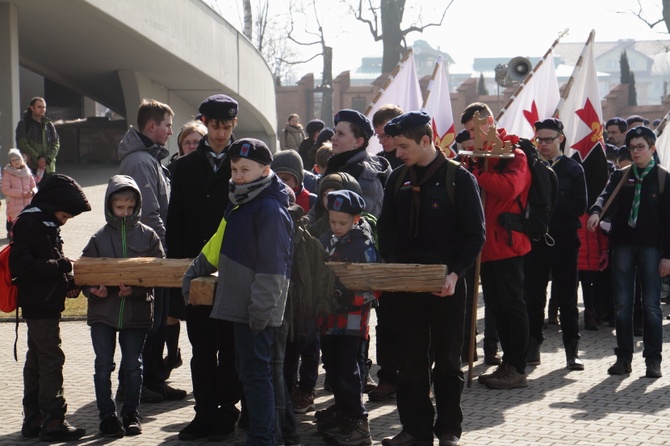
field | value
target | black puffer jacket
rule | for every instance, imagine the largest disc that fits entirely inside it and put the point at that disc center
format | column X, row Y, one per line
column 43, row 273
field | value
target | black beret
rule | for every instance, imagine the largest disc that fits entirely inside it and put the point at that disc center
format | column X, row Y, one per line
column 463, row 136
column 356, row 118
column 219, row 106
column 315, row 125
column 324, row 135
column 611, row 149
column 345, row 201
column 656, row 122
column 619, row 122
column 250, row 148
column 640, row 132
column 549, row 124
column 406, row 122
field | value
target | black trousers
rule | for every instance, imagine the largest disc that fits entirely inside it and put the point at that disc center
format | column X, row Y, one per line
column 386, row 337
column 559, row 262
column 430, row 339
column 215, row 380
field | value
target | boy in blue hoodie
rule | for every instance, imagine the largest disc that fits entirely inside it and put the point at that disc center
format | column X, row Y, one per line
column 252, row 252
column 127, row 310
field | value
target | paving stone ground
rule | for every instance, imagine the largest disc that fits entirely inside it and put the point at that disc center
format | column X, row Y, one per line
column 559, row 407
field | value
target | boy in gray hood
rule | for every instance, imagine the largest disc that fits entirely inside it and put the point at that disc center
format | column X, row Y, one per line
column 126, row 309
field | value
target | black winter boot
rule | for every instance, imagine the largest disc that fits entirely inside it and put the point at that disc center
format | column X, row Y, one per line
column 572, row 355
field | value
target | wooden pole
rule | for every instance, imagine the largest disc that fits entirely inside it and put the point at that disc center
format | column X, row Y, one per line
column 432, row 79
column 475, row 298
column 529, row 76
column 390, row 78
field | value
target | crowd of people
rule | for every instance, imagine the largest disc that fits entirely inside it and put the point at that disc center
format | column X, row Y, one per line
column 235, row 207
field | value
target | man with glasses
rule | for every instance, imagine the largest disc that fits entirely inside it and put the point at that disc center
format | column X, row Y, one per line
column 379, row 120
column 558, row 260
column 639, row 240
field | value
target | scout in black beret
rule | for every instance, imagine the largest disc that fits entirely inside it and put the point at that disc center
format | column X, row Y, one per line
column 252, row 149
column 463, row 136
column 355, row 118
column 219, row 106
column 641, row 132
column 407, row 122
column 313, row 126
column 619, row 122
column 345, row 201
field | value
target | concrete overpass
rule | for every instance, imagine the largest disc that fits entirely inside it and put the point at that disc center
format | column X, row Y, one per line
column 118, row 52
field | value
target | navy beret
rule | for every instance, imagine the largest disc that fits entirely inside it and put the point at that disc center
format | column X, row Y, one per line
column 611, row 149
column 633, row 119
column 406, row 122
column 219, row 106
column 356, row 118
column 619, row 122
column 315, row 125
column 640, row 132
column 463, row 136
column 549, row 124
column 345, row 201
column 250, row 148
column 324, row 135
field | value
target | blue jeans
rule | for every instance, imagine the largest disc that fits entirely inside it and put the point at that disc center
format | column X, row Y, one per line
column 254, row 364
column 626, row 258
column 131, row 341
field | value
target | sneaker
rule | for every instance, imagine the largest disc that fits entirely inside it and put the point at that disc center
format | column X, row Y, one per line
column 483, row 378
column 111, row 427
column 132, row 424
column 383, row 392
column 303, row 401
column 349, row 432
column 509, row 378
column 369, row 385
column 56, row 431
column 448, row 440
column 654, row 370
column 150, row 397
column 620, row 367
column 198, row 428
column 172, row 394
column 404, row 439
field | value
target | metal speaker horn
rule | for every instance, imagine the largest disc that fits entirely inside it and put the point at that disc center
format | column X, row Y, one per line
column 518, row 68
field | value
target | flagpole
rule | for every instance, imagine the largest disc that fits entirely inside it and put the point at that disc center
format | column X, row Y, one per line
column 390, row 78
column 530, row 75
column 578, row 65
column 430, row 83
column 661, row 124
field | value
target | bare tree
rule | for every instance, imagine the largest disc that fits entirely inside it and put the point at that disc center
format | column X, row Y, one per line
column 248, row 20
column 384, row 19
column 642, row 13
column 319, row 40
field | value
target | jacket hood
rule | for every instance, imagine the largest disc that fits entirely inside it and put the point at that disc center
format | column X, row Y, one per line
column 116, row 184
column 61, row 193
column 133, row 142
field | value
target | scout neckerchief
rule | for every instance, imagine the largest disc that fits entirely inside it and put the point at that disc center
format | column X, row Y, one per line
column 632, row 219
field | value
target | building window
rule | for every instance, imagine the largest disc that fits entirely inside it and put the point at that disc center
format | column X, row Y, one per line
column 359, row 103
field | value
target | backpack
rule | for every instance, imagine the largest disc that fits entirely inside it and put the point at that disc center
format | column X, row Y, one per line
column 310, row 293
column 8, row 291
column 533, row 220
column 450, row 182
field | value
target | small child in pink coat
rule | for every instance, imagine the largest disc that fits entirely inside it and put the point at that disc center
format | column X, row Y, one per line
column 18, row 186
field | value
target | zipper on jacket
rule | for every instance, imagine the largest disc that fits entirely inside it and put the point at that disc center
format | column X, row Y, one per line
column 124, row 249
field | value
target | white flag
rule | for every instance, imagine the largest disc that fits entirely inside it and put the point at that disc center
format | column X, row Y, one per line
column 536, row 101
column 438, row 105
column 403, row 91
column 663, row 145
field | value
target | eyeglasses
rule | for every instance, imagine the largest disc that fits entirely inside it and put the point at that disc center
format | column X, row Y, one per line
column 546, row 140
column 637, row 148
column 382, row 136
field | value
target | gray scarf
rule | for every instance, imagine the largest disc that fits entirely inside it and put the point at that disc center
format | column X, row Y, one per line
column 246, row 192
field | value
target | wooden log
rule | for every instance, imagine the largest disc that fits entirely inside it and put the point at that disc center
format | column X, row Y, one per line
column 138, row 271
column 355, row 276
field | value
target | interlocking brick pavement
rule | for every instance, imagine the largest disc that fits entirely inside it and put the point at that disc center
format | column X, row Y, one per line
column 559, row 407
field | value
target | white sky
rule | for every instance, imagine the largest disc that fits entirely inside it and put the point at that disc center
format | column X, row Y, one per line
column 484, row 28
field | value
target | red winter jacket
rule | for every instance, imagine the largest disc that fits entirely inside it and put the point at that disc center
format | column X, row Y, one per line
column 593, row 244
column 501, row 189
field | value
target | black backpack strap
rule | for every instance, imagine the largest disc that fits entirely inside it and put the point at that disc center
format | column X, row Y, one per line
column 400, row 180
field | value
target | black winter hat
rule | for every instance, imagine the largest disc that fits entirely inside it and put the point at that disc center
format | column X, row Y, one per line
column 290, row 162
column 61, row 193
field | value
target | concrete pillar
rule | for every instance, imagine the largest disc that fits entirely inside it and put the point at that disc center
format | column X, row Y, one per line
column 10, row 108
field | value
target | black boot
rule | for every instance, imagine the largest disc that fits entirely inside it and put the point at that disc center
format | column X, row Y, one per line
column 173, row 359
column 533, row 354
column 491, row 356
column 572, row 355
